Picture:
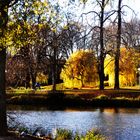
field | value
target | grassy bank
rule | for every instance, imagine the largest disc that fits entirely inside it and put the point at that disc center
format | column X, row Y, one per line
column 78, row 97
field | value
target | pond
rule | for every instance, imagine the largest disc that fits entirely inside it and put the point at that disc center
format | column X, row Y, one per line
column 115, row 123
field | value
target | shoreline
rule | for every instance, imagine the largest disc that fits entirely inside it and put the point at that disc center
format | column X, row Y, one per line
column 78, row 98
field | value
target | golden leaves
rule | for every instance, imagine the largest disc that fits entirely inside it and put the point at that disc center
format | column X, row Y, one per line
column 81, row 67
column 128, row 65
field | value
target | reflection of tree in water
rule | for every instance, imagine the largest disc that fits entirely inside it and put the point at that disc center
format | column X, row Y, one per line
column 111, row 123
column 119, row 110
column 109, row 110
column 128, row 110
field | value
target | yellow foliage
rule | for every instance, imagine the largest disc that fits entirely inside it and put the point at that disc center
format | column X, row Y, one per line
column 41, row 78
column 128, row 66
column 80, row 69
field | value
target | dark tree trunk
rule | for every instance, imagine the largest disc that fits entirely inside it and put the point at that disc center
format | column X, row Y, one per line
column 54, row 64
column 4, row 4
column 3, row 120
column 33, row 78
column 117, row 54
column 27, row 81
column 82, row 83
column 101, row 59
column 3, row 23
column 31, row 67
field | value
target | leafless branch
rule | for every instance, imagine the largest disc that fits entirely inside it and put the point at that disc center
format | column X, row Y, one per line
column 129, row 8
column 12, row 2
column 113, row 12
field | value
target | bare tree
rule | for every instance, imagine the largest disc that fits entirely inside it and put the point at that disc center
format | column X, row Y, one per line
column 131, row 33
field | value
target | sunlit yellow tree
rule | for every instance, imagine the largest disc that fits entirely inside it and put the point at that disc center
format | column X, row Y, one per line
column 128, row 67
column 80, row 69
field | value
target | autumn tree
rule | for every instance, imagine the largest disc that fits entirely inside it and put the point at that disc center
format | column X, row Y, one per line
column 28, row 18
column 70, row 38
column 81, row 66
column 16, row 71
column 128, row 67
column 131, row 33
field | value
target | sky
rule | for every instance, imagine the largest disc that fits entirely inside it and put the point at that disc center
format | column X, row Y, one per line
column 135, row 5
column 128, row 14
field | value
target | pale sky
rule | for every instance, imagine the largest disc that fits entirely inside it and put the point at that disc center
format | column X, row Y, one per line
column 134, row 4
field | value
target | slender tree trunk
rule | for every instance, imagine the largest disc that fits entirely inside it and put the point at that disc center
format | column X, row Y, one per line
column 33, row 78
column 27, row 81
column 101, row 62
column 54, row 69
column 117, row 54
column 32, row 71
column 82, row 83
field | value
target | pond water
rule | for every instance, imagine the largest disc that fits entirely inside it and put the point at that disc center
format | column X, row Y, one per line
column 115, row 123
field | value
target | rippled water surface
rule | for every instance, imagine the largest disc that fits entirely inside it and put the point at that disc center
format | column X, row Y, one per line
column 117, row 124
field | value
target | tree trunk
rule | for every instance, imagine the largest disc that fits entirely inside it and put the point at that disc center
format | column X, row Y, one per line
column 4, row 4
column 101, row 73
column 54, row 69
column 27, row 80
column 3, row 120
column 82, row 80
column 101, row 62
column 3, row 23
column 117, row 54
column 33, row 78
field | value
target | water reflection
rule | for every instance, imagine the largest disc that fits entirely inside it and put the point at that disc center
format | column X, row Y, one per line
column 112, row 123
column 117, row 123
column 46, row 108
column 120, row 110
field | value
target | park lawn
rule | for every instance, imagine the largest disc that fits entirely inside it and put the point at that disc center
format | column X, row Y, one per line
column 75, row 97
column 23, row 90
column 125, row 92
